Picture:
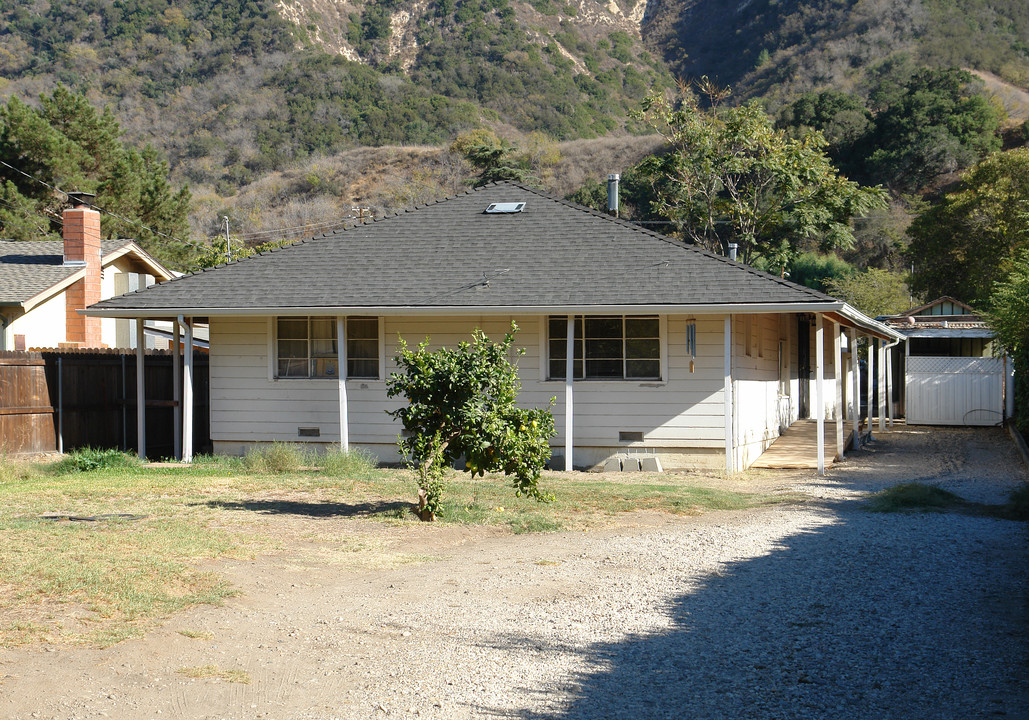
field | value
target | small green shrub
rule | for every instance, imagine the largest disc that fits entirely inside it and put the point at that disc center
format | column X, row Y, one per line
column 90, row 459
column 354, row 463
column 278, row 457
column 910, row 497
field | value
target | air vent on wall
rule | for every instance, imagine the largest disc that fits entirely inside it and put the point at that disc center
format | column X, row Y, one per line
column 630, row 436
column 309, row 432
column 504, row 208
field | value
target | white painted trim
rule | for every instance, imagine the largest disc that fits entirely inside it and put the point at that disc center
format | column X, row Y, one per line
column 544, row 347
column 176, row 348
column 662, row 333
column 820, row 389
column 382, row 353
column 839, row 377
column 44, row 295
column 341, row 382
column 130, row 247
column 140, row 392
column 187, row 395
column 881, row 374
column 730, row 465
column 273, row 352
column 569, row 384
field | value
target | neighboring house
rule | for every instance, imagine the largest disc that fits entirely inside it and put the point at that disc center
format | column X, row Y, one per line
column 45, row 284
column 953, row 371
column 677, row 352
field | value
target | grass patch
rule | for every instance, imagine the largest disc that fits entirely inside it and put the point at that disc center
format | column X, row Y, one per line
column 213, row 671
column 90, row 459
column 100, row 582
column 914, row 497
column 197, row 634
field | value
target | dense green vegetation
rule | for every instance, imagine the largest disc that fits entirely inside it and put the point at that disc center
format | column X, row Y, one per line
column 68, row 145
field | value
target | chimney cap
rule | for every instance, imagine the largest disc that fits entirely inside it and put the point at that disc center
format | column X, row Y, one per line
column 80, row 199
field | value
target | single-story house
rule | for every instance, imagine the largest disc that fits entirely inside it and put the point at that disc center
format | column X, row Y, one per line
column 44, row 284
column 954, row 372
column 650, row 346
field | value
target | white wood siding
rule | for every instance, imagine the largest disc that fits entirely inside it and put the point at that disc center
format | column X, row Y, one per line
column 682, row 411
column 756, row 385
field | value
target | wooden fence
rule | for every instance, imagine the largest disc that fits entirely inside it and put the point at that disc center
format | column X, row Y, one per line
column 79, row 398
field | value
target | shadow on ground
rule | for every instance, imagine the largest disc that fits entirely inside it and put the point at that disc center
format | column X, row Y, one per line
column 313, row 509
column 861, row 615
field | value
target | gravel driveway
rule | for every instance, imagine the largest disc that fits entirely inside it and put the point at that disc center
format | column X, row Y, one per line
column 816, row 609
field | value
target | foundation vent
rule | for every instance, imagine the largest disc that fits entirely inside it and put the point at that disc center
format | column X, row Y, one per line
column 309, row 432
column 630, row 436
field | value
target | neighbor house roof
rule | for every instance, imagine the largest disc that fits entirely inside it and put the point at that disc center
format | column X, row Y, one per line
column 924, row 322
column 31, row 268
column 453, row 256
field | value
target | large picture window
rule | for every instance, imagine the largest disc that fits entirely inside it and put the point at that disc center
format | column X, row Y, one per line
column 607, row 347
column 306, row 347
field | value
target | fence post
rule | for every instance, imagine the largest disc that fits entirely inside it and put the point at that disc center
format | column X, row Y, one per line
column 60, row 405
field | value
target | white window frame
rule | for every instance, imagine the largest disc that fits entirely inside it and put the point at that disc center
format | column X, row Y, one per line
column 662, row 344
column 273, row 350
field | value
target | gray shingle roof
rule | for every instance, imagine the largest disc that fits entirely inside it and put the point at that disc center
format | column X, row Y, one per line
column 29, row 267
column 452, row 254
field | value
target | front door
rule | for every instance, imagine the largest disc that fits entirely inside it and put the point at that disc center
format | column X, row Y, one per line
column 803, row 365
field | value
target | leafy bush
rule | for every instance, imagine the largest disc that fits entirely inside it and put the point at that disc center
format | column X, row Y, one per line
column 461, row 402
column 90, row 459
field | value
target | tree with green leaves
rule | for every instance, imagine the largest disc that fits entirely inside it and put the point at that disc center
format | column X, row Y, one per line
column 67, row 144
column 1009, row 317
column 494, row 157
column 961, row 246
column 730, row 176
column 873, row 291
column 928, row 123
column 461, row 403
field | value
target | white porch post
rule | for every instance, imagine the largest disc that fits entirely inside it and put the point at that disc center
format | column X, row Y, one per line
column 855, row 396
column 889, row 386
column 838, row 375
column 820, row 390
column 730, row 451
column 187, row 396
column 569, row 381
column 881, row 375
column 176, row 350
column 341, row 372
column 140, row 390
column 870, row 372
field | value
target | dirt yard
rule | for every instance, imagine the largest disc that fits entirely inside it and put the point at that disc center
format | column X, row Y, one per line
column 812, row 609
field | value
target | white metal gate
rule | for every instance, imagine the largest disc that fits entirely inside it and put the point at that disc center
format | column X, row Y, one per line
column 954, row 391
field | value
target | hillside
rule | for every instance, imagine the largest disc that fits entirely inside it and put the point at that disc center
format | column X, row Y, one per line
column 233, row 90
column 779, row 48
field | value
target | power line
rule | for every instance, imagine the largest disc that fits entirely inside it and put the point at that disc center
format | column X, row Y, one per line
column 107, row 212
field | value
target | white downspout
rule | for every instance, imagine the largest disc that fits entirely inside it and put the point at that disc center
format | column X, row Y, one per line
column 839, row 380
column 855, row 396
column 888, row 350
column 176, row 349
column 870, row 385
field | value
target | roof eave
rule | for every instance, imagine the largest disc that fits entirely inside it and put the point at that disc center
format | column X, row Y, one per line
column 394, row 310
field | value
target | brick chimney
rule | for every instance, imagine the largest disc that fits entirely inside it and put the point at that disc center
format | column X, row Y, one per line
column 82, row 249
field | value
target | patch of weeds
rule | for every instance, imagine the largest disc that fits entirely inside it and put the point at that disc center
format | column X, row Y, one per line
column 1017, row 507
column 913, row 497
column 399, row 513
column 213, row 671
column 12, row 471
column 91, row 459
column 278, row 458
column 355, row 464
column 196, row 634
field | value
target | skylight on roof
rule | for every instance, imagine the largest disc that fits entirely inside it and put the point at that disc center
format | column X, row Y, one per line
column 504, row 207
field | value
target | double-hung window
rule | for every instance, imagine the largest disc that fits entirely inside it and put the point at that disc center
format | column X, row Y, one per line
column 614, row 347
column 306, row 347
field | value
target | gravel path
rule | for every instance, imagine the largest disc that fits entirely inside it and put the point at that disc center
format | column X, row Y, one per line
column 810, row 610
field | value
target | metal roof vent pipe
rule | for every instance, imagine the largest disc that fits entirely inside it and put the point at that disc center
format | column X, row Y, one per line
column 612, row 194
column 733, row 248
